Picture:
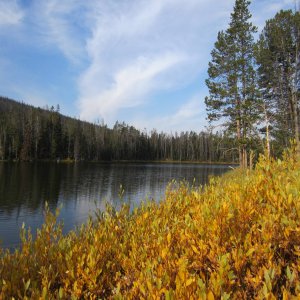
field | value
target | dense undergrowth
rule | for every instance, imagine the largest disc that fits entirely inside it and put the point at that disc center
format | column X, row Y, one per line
column 237, row 239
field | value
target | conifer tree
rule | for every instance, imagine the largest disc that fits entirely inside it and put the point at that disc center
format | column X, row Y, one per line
column 278, row 51
column 232, row 79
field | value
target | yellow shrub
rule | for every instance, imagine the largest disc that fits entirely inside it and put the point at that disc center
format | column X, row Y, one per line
column 237, row 238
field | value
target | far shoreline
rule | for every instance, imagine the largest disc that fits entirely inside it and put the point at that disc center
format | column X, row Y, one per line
column 73, row 161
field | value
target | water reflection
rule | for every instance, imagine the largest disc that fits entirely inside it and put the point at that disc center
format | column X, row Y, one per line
column 80, row 188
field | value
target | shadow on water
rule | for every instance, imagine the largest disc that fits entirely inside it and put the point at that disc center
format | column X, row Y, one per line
column 79, row 188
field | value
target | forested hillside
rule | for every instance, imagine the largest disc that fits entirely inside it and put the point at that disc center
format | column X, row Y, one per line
column 254, row 92
column 29, row 133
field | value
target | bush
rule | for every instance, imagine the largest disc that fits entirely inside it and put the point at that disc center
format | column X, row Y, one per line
column 238, row 237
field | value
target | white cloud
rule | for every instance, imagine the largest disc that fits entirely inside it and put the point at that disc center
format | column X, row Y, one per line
column 10, row 13
column 130, row 85
column 128, row 52
column 189, row 116
column 61, row 24
column 140, row 47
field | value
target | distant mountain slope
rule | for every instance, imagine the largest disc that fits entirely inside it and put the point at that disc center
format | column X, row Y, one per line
column 29, row 133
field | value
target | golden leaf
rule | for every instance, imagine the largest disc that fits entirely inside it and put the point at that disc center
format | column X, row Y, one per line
column 189, row 281
column 210, row 296
column 164, row 252
column 195, row 249
column 169, row 237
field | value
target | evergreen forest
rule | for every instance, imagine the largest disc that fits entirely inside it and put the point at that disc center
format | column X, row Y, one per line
column 29, row 133
column 253, row 83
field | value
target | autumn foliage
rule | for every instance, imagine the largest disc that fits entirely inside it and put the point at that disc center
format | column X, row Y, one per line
column 237, row 238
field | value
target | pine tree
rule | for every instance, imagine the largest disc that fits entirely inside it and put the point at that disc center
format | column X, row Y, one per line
column 232, row 79
column 279, row 79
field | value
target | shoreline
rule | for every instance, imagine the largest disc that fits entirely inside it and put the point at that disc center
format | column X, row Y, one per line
column 72, row 161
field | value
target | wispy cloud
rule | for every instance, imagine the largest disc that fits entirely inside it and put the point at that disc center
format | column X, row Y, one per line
column 60, row 24
column 129, row 87
column 189, row 116
column 134, row 60
column 10, row 13
column 140, row 47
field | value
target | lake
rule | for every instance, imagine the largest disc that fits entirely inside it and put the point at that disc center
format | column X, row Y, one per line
column 81, row 188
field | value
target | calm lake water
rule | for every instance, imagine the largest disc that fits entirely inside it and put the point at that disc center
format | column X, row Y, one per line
column 81, row 188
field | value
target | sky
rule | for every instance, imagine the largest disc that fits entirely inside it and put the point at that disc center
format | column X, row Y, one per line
column 142, row 62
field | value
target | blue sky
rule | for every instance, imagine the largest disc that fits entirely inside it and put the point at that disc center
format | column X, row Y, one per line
column 139, row 61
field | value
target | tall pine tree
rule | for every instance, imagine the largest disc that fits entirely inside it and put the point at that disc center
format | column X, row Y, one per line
column 232, row 79
column 278, row 57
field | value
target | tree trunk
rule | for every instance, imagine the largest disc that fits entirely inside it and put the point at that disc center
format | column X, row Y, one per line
column 244, row 157
column 238, row 134
column 268, row 150
column 295, row 98
column 296, row 121
column 251, row 156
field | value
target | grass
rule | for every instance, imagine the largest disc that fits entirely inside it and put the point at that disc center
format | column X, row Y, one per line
column 239, row 238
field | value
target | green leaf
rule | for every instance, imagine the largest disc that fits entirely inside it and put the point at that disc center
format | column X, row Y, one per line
column 44, row 293
column 268, row 280
column 61, row 293
column 225, row 296
column 250, row 251
column 27, row 284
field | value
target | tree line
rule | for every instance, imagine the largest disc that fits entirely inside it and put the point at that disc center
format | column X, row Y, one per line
column 29, row 133
column 254, row 85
